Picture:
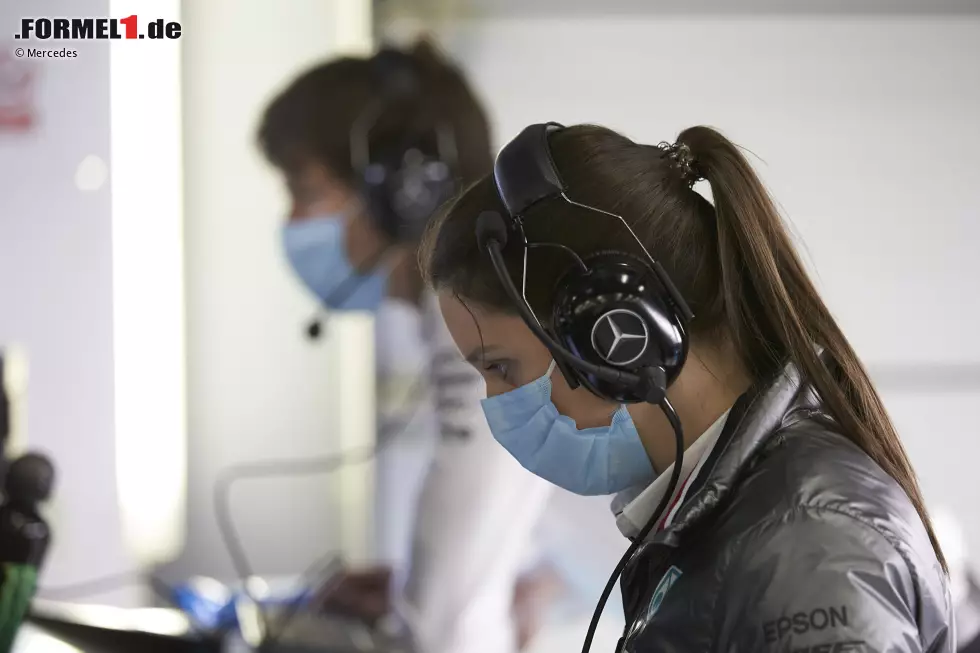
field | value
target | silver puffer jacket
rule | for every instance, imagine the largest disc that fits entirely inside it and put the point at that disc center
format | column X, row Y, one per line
column 791, row 539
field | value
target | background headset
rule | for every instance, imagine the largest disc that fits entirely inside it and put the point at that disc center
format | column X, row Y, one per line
column 403, row 184
column 618, row 322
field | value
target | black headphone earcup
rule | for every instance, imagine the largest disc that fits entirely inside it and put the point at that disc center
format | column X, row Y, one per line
column 614, row 313
column 403, row 193
column 374, row 195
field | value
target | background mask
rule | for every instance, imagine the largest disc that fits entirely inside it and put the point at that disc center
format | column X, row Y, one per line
column 316, row 251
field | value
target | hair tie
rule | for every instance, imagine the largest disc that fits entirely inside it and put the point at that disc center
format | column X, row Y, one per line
column 682, row 159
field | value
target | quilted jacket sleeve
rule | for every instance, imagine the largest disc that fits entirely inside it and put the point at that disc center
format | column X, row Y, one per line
column 817, row 580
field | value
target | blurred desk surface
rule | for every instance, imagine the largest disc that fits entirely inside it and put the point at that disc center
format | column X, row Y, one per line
column 310, row 632
column 69, row 628
column 54, row 627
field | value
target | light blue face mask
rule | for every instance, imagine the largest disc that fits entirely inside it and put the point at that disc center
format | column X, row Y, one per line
column 602, row 460
column 315, row 248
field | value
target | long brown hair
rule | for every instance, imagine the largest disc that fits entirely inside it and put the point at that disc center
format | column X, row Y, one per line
column 733, row 261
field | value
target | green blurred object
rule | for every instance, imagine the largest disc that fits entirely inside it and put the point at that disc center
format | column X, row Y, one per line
column 16, row 589
column 24, row 539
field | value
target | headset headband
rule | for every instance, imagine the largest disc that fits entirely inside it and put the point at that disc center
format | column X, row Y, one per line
column 525, row 174
column 524, row 171
column 402, row 185
column 397, row 73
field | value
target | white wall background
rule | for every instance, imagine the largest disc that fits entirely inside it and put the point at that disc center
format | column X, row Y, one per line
column 865, row 128
column 256, row 388
column 56, row 289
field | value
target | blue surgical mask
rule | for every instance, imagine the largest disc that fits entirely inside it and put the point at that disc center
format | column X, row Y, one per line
column 315, row 248
column 602, row 460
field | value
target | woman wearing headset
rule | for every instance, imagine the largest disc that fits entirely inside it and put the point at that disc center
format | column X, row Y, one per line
column 794, row 521
column 365, row 145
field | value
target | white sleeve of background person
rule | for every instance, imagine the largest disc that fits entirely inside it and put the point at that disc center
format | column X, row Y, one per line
column 579, row 540
column 477, row 510
column 407, row 428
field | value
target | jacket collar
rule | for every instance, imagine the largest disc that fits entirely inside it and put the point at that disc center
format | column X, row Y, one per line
column 754, row 418
column 634, row 507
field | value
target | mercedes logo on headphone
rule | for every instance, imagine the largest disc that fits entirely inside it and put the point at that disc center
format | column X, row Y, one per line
column 620, row 336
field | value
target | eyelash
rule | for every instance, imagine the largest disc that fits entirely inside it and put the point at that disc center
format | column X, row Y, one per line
column 498, row 368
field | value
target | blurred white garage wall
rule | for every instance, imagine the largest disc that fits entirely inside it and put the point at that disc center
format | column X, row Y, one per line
column 864, row 121
column 57, row 275
column 148, row 286
column 256, row 387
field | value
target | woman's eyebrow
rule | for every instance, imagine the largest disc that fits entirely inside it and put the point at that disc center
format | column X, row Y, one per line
column 478, row 354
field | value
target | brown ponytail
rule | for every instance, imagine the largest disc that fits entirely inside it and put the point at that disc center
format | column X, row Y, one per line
column 774, row 313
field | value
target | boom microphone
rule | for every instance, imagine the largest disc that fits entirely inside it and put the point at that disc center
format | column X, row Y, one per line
column 490, row 226
column 314, row 328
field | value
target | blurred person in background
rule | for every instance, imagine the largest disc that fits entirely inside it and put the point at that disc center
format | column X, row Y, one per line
column 369, row 148
column 793, row 520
